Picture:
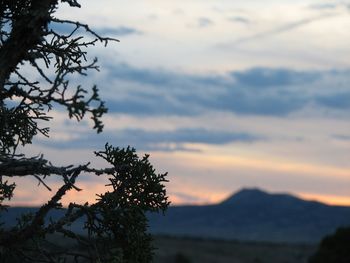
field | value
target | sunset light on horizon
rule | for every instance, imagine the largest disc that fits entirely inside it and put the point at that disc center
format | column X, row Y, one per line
column 223, row 95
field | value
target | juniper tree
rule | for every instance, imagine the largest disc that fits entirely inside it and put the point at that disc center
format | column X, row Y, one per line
column 36, row 65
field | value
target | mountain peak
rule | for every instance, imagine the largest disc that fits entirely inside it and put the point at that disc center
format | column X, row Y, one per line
column 256, row 195
column 245, row 194
column 250, row 192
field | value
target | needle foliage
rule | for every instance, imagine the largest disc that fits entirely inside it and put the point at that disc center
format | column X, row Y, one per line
column 37, row 62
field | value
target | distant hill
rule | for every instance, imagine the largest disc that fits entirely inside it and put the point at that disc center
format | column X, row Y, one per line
column 254, row 215
column 248, row 215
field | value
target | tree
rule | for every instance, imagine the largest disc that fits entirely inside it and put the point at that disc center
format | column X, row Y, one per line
column 115, row 225
column 334, row 248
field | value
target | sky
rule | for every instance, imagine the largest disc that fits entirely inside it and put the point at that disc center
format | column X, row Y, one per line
column 223, row 95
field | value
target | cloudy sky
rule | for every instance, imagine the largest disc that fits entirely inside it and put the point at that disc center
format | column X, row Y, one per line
column 222, row 94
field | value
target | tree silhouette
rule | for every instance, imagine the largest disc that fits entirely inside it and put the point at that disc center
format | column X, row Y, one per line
column 37, row 62
column 334, row 248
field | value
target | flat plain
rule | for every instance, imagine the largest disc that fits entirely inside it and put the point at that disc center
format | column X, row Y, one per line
column 196, row 250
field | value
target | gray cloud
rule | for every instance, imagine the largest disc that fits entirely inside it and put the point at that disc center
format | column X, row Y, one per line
column 257, row 91
column 266, row 77
column 144, row 76
column 254, row 77
column 341, row 137
column 323, row 6
column 150, row 105
column 338, row 101
column 329, row 6
column 118, row 31
column 156, row 140
column 260, row 104
column 239, row 19
column 204, row 22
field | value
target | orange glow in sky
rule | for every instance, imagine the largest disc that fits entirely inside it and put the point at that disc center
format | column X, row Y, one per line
column 237, row 94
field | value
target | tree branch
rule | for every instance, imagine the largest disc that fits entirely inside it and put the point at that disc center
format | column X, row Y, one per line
column 27, row 32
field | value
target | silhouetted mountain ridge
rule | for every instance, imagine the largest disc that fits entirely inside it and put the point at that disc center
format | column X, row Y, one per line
column 252, row 214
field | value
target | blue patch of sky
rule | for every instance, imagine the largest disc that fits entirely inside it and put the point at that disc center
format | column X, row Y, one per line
column 67, row 28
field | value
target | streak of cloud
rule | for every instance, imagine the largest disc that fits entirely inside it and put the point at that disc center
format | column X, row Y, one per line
column 323, row 6
column 276, row 31
column 239, row 19
column 118, row 31
column 156, row 140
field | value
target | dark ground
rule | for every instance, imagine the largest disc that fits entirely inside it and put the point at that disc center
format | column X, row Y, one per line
column 191, row 250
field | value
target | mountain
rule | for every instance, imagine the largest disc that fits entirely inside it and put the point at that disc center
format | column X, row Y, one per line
column 249, row 215
column 254, row 215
